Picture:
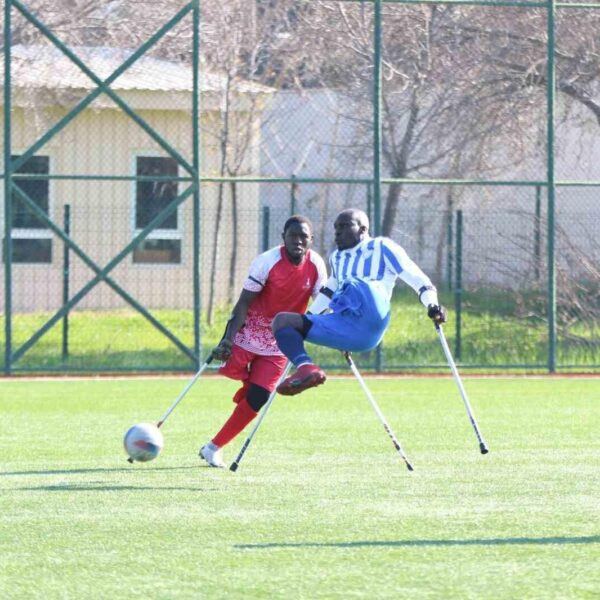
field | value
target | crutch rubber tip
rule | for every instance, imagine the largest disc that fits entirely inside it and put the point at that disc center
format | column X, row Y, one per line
column 130, row 460
column 483, row 448
column 409, row 467
column 233, row 466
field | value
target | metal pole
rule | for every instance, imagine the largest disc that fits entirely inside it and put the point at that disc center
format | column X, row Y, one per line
column 449, row 247
column 377, row 118
column 458, row 282
column 537, row 234
column 196, row 166
column 551, row 77
column 377, row 410
column 293, row 195
column 379, row 358
column 265, row 409
column 65, row 321
column 266, row 225
column 482, row 445
column 7, row 191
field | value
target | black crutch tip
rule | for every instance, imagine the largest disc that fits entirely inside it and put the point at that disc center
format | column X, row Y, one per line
column 483, row 448
column 409, row 467
column 233, row 467
column 130, row 460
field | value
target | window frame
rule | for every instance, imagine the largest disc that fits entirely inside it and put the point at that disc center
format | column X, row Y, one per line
column 33, row 233
column 156, row 234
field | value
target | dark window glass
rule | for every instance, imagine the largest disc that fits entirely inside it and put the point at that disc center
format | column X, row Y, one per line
column 31, row 251
column 152, row 196
column 158, row 251
column 36, row 189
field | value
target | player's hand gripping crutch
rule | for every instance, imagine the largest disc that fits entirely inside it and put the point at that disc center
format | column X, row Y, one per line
column 377, row 410
column 236, row 463
column 185, row 390
column 482, row 445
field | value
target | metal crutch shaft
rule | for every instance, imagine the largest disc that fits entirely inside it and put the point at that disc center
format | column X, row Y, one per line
column 179, row 398
column 185, row 390
column 377, row 410
column 236, row 463
column 482, row 445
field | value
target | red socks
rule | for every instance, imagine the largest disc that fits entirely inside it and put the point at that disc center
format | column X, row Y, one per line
column 241, row 393
column 241, row 416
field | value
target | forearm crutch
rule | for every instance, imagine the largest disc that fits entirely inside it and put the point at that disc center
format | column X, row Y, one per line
column 236, row 463
column 185, row 390
column 482, row 445
column 377, row 410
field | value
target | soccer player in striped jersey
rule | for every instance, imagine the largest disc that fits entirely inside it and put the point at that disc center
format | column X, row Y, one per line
column 364, row 271
column 283, row 278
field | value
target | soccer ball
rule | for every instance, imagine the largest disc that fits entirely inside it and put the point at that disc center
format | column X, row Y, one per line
column 143, row 442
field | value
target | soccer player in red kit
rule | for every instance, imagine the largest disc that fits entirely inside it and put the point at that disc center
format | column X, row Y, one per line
column 282, row 279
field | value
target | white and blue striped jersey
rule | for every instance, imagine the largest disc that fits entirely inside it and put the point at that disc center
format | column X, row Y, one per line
column 382, row 261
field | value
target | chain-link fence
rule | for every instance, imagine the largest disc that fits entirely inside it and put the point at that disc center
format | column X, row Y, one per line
column 151, row 151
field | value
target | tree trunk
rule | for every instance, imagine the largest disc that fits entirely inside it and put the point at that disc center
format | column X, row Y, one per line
column 224, row 141
column 399, row 167
column 391, row 206
column 215, row 257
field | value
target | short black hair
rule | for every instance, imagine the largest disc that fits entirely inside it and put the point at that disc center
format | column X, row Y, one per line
column 297, row 220
column 358, row 215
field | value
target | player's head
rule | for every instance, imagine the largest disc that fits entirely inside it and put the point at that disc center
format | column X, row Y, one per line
column 351, row 226
column 297, row 237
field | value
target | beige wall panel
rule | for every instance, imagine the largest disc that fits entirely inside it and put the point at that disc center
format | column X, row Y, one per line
column 105, row 142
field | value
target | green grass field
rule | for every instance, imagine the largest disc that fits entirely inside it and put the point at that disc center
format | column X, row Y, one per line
column 321, row 506
column 495, row 332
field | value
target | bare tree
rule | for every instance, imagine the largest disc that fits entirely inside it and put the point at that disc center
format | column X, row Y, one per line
column 257, row 51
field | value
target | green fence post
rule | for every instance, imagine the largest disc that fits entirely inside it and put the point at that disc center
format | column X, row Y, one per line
column 377, row 118
column 7, row 192
column 379, row 358
column 196, row 165
column 449, row 249
column 458, row 284
column 293, row 187
column 266, row 226
column 550, row 92
column 537, row 234
column 65, row 321
column 376, row 225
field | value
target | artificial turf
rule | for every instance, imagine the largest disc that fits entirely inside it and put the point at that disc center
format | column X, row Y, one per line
column 321, row 506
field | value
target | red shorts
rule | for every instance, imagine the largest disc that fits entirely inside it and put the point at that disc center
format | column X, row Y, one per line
column 254, row 368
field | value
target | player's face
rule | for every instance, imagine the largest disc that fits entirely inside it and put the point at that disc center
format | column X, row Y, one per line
column 348, row 231
column 297, row 239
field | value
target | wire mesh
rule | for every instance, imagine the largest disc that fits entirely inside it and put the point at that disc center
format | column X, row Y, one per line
column 287, row 113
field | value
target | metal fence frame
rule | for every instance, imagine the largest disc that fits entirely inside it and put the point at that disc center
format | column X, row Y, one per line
column 194, row 177
column 102, row 273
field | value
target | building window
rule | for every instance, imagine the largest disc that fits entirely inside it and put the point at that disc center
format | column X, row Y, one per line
column 158, row 251
column 162, row 245
column 31, row 238
column 31, row 251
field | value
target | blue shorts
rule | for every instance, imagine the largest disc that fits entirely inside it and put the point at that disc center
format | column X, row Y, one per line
column 358, row 322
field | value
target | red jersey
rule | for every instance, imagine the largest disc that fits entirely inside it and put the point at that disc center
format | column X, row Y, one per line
column 283, row 287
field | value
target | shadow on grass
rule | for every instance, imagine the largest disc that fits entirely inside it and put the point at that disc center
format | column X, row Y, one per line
column 524, row 541
column 78, row 471
column 73, row 487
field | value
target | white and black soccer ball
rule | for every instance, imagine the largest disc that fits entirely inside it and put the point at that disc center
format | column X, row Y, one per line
column 143, row 442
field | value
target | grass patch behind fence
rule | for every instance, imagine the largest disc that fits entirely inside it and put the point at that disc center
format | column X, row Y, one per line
column 492, row 334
